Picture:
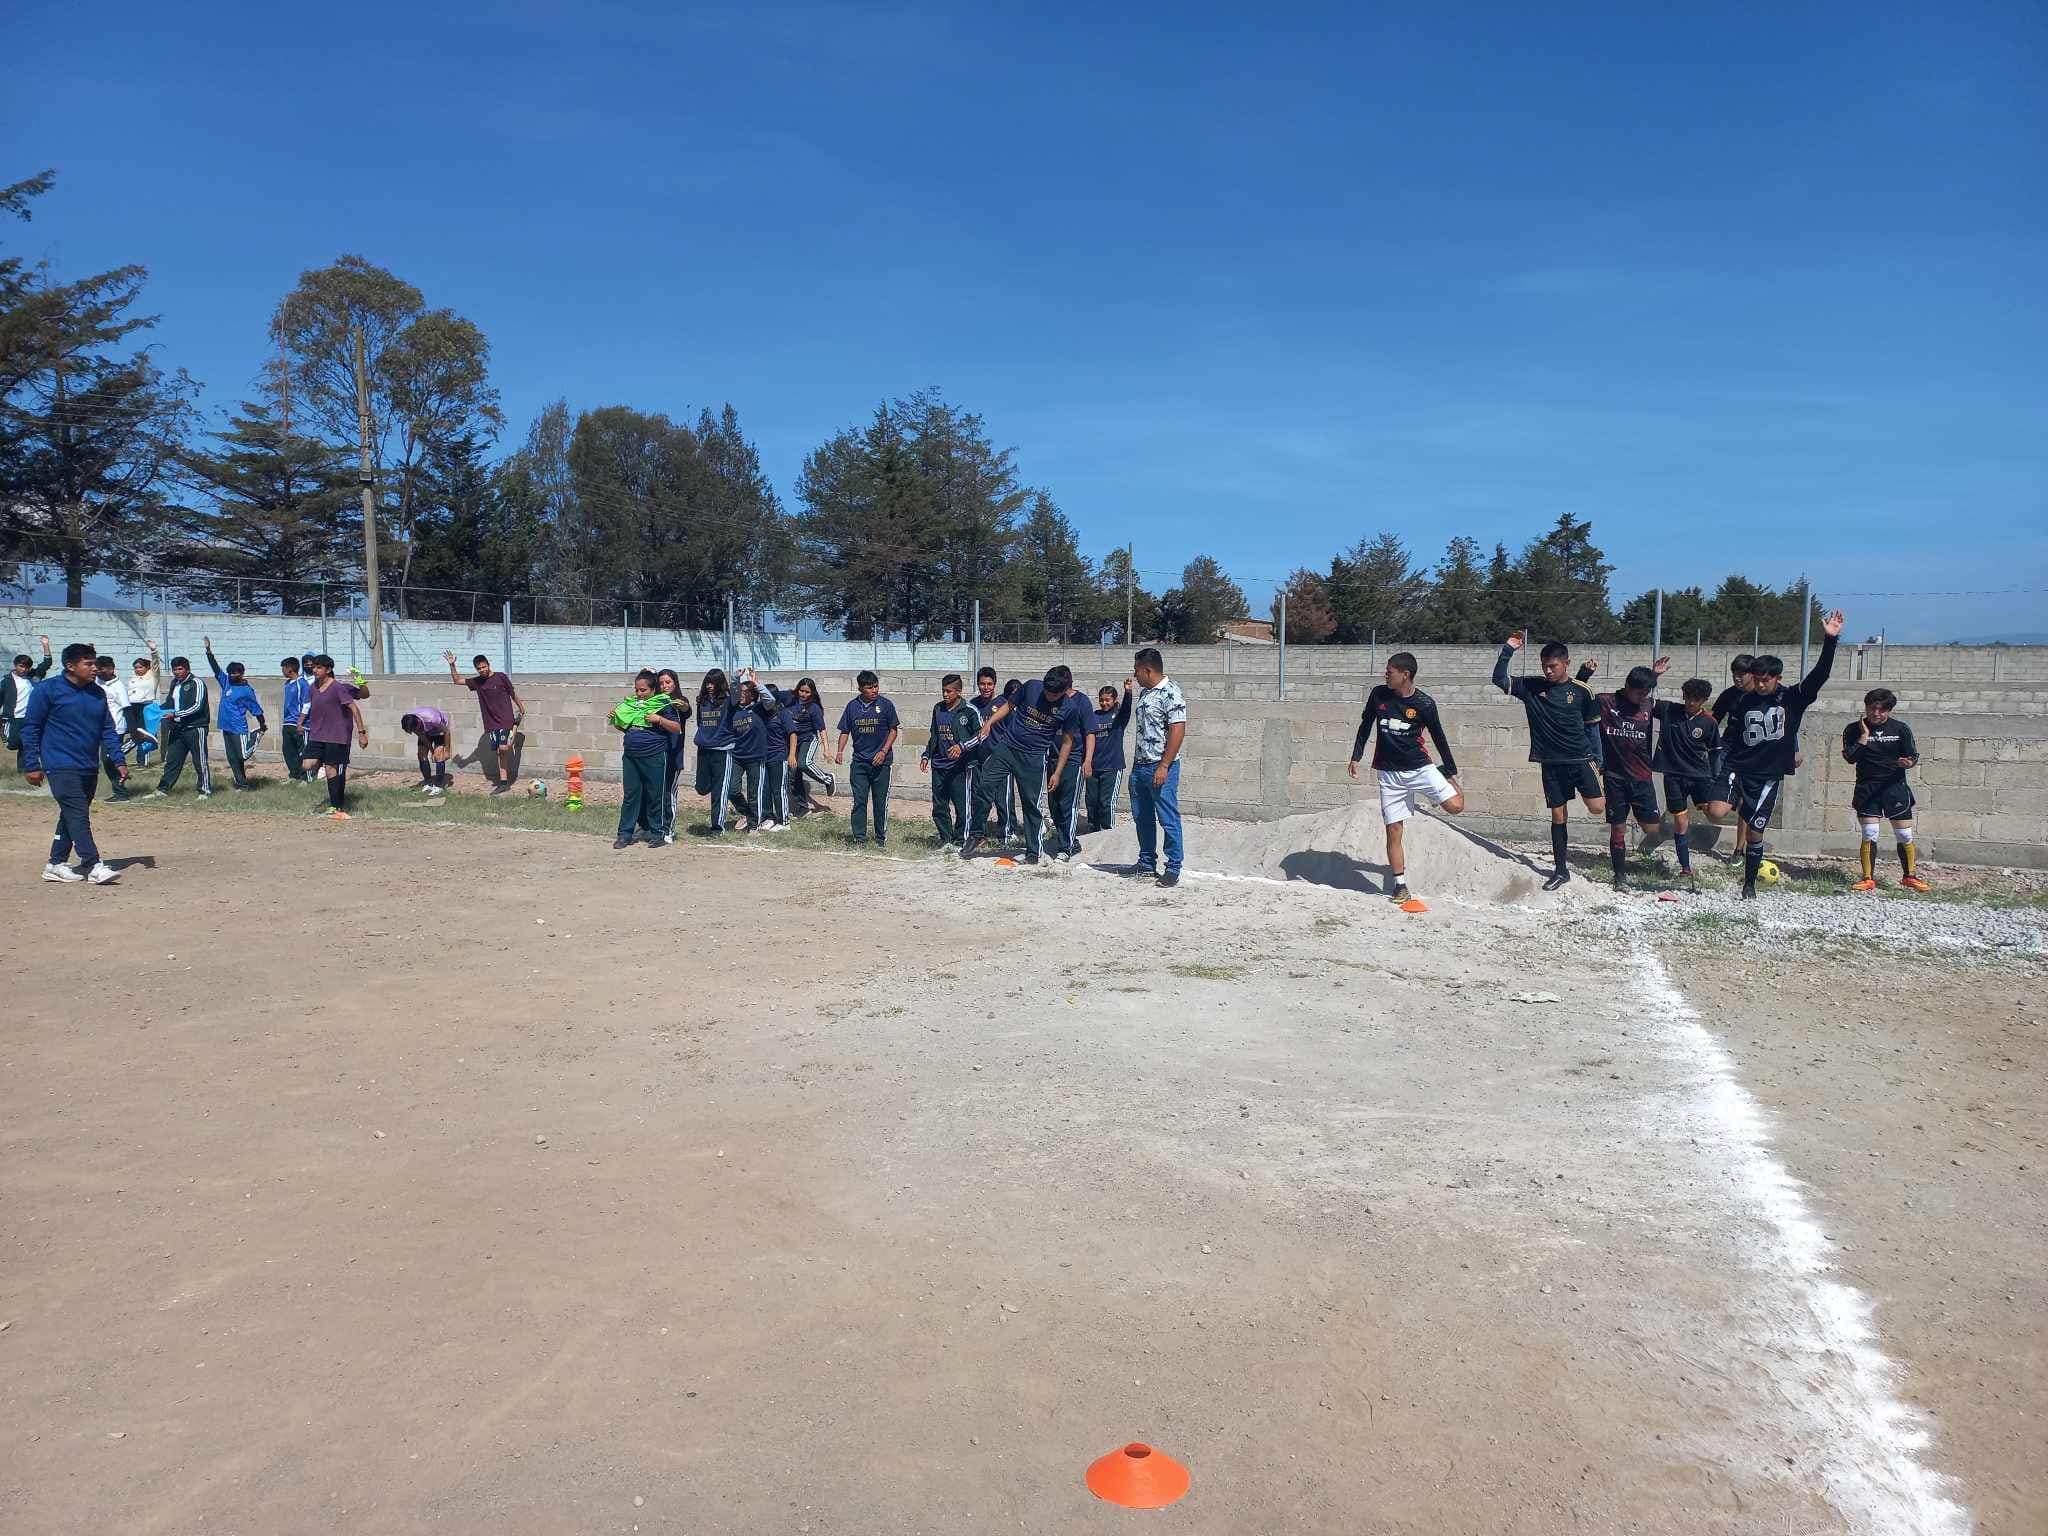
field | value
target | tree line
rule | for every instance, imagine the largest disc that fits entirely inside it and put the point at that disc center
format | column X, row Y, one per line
column 374, row 398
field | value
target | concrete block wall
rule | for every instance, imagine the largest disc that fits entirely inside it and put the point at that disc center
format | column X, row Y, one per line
column 1982, row 784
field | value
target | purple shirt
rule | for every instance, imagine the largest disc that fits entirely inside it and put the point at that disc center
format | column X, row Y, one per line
column 432, row 721
column 327, row 713
column 494, row 698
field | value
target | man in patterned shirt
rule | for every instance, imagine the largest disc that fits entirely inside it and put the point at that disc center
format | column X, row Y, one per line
column 1161, row 717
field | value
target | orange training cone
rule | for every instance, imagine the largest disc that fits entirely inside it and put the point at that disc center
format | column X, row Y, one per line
column 1414, row 904
column 1006, row 863
column 1137, row 1477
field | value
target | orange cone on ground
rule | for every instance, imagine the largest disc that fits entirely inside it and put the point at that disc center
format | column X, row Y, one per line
column 1414, row 904
column 1137, row 1477
column 1006, row 863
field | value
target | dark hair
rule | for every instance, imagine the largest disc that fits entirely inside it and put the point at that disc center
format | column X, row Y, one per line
column 1011, row 687
column 817, row 698
column 648, row 673
column 77, row 651
column 1883, row 698
column 1697, row 688
column 662, row 672
column 713, row 686
column 176, row 661
column 1768, row 666
column 20, row 658
column 290, row 661
column 1403, row 661
column 102, row 659
column 1150, row 657
column 867, row 679
column 479, row 660
column 1742, row 665
column 987, row 672
column 1108, row 688
column 1640, row 677
column 323, row 660
column 1059, row 679
column 408, row 723
column 236, row 669
column 950, row 677
column 1557, row 650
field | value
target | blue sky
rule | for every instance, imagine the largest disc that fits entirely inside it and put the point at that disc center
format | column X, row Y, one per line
column 1754, row 287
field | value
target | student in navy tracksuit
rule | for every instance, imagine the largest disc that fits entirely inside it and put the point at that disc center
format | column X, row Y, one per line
column 807, row 725
column 1041, row 716
column 1067, row 769
column 715, row 705
column 238, row 706
column 66, row 731
column 987, row 695
column 642, row 762
column 955, row 724
column 1111, row 719
column 869, row 722
column 670, row 682
column 750, row 746
column 184, row 730
column 779, row 710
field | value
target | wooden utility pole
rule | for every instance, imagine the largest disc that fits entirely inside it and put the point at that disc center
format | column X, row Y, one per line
column 368, row 481
column 1130, row 581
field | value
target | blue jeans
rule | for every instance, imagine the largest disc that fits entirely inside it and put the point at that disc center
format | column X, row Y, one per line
column 1152, row 809
column 73, row 790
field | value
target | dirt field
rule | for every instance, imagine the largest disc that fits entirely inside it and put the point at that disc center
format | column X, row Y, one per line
column 382, row 1177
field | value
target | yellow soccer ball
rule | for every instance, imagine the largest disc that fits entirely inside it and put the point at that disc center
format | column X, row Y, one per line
column 1767, row 872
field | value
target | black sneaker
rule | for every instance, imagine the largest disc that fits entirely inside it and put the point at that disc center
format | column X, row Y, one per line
column 1399, row 893
column 501, row 789
column 1621, row 882
column 1139, row 872
column 1557, row 879
column 1169, row 880
column 622, row 842
column 1030, row 858
column 1749, row 893
column 971, row 847
column 858, row 842
column 881, row 842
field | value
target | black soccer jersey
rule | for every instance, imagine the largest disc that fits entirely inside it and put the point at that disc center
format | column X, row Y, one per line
column 1401, row 723
column 1877, row 760
column 1762, row 736
column 1562, row 716
column 1727, row 699
column 1686, row 743
column 1625, row 736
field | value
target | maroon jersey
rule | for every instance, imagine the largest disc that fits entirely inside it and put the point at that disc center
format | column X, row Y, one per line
column 1625, row 736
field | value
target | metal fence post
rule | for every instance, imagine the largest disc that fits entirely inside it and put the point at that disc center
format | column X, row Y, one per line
column 1880, row 655
column 1283, row 642
column 875, row 648
column 164, row 624
column 1657, row 627
column 732, row 637
column 508, row 634
column 1375, row 652
column 1699, row 653
column 977, row 637
column 1805, row 625
column 323, row 620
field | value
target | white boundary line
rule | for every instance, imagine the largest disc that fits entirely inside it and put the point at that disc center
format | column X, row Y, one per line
column 1870, row 1466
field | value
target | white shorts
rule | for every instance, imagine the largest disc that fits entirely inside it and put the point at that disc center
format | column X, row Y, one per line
column 1399, row 788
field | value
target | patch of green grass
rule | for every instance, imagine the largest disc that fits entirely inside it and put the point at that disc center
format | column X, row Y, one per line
column 1204, row 972
column 1983, row 893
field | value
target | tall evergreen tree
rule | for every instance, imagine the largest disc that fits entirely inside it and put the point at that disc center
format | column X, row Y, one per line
column 274, row 514
column 1373, row 588
column 1048, row 581
column 1459, row 609
column 1121, row 593
column 1310, row 619
column 1195, row 612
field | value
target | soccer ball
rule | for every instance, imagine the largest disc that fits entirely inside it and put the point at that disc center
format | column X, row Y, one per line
column 538, row 790
column 1767, row 872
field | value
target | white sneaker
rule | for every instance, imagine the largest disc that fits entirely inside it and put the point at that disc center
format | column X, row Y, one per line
column 771, row 826
column 206, row 794
column 103, row 874
column 64, row 874
column 435, row 791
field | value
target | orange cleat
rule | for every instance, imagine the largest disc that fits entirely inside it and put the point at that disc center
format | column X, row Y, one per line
column 337, row 816
column 1137, row 1477
column 1915, row 883
column 1864, row 885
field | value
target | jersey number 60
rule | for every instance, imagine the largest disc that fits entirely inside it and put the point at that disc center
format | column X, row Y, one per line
column 1763, row 725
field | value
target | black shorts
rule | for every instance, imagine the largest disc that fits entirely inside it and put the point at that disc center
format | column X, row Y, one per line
column 329, row 754
column 1561, row 781
column 497, row 739
column 1683, row 790
column 1757, row 798
column 431, row 740
column 1893, row 800
column 1626, row 795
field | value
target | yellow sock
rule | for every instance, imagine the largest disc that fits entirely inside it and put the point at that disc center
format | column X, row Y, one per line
column 1909, row 857
column 1867, row 852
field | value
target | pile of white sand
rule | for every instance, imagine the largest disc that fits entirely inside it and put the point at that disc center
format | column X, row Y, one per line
column 1346, row 848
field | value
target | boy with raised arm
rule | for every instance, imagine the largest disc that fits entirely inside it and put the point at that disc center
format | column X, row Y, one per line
column 502, row 710
column 184, row 730
column 1762, row 741
column 1402, row 713
column 1065, row 772
column 14, row 691
column 1564, row 738
column 1111, row 718
column 1628, row 783
column 237, row 708
column 1881, row 747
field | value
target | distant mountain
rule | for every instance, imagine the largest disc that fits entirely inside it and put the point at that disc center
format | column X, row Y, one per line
column 2023, row 637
